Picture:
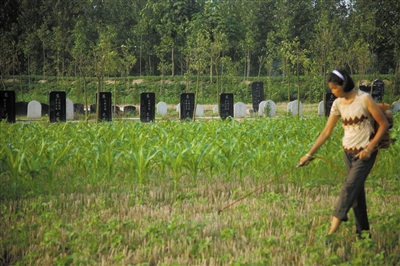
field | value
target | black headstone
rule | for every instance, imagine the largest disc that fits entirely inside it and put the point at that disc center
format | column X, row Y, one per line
column 257, row 93
column 378, row 90
column 225, row 105
column 21, row 108
column 105, row 110
column 45, row 109
column 186, row 106
column 92, row 108
column 79, row 108
column 57, row 106
column 7, row 108
column 147, row 106
column 365, row 88
column 329, row 99
column 117, row 109
column 130, row 109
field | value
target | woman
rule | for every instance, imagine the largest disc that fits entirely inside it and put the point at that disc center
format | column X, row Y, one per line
column 358, row 111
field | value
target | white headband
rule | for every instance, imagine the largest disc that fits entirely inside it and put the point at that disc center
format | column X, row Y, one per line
column 337, row 73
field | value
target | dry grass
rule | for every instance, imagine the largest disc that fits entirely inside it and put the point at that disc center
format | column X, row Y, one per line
column 284, row 224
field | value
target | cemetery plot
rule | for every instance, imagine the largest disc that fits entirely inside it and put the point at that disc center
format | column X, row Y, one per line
column 147, row 106
column 57, row 106
column 162, row 108
column 267, row 108
column 377, row 90
column 239, row 110
column 105, row 107
column 7, row 106
column 34, row 110
column 186, row 107
column 257, row 93
column 226, row 105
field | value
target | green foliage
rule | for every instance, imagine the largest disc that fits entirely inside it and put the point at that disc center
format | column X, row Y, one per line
column 135, row 193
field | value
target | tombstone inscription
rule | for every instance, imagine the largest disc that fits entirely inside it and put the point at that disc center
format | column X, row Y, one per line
column 57, row 106
column 376, row 90
column 147, row 107
column 226, row 105
column 257, row 93
column 7, row 108
column 105, row 108
column 186, row 106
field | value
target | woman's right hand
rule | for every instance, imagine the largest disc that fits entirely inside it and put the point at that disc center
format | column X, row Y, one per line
column 305, row 160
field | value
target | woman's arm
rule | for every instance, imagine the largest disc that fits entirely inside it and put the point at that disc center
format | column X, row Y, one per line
column 326, row 132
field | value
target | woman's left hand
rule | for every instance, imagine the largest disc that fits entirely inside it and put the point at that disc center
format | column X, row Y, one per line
column 364, row 155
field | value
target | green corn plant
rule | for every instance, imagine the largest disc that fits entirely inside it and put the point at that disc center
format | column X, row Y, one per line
column 194, row 156
column 173, row 158
column 13, row 161
column 229, row 156
column 141, row 162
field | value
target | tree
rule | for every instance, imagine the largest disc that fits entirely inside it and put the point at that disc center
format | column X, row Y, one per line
column 128, row 59
column 82, row 52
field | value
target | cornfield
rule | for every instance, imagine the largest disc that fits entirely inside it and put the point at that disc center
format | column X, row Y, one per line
column 129, row 193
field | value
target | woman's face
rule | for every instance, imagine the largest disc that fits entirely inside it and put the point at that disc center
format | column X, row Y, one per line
column 337, row 90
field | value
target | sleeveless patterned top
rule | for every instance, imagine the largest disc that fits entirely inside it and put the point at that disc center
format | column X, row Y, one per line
column 356, row 122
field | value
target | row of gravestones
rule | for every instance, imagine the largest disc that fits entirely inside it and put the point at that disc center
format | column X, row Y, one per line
column 61, row 108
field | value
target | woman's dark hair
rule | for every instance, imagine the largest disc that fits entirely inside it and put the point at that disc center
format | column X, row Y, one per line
column 335, row 78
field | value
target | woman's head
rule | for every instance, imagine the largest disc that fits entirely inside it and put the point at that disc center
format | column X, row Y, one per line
column 341, row 78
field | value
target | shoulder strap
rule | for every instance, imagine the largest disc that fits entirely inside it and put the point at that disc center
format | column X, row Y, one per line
column 364, row 106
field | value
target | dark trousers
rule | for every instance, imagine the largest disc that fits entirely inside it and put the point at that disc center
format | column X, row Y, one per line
column 352, row 194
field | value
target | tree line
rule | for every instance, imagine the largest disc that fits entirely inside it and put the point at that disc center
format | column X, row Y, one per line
column 122, row 38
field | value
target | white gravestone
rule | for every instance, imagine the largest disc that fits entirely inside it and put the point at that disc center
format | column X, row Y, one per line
column 162, row 108
column 289, row 107
column 261, row 108
column 239, row 110
column 265, row 106
column 293, row 108
column 178, row 108
column 199, row 110
column 321, row 108
column 69, row 109
column 395, row 107
column 215, row 109
column 34, row 110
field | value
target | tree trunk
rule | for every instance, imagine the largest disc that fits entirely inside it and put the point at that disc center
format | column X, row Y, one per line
column 248, row 64
column 211, row 70
column 115, row 94
column 172, row 62
column 140, row 56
